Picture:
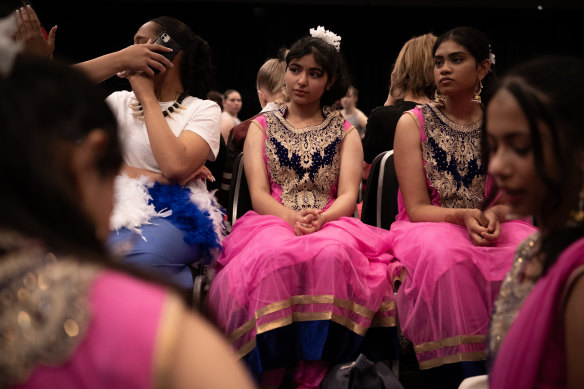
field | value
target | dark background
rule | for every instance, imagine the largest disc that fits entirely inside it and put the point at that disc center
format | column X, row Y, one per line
column 244, row 34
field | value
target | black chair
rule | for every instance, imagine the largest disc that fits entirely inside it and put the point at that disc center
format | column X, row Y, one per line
column 239, row 201
column 380, row 198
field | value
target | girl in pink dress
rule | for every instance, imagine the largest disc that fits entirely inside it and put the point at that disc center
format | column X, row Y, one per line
column 453, row 247
column 301, row 282
column 536, row 144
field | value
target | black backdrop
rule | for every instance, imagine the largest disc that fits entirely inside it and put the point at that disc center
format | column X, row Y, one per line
column 243, row 34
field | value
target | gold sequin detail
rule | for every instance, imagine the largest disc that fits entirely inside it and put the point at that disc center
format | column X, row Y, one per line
column 461, row 144
column 71, row 328
column 514, row 290
column 314, row 151
column 43, row 307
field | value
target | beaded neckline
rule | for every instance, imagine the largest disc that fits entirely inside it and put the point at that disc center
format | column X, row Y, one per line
column 138, row 111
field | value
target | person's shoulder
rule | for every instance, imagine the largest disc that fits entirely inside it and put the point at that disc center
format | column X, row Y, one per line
column 120, row 95
column 200, row 106
column 202, row 103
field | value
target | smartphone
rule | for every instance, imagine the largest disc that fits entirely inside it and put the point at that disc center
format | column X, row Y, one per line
column 166, row 40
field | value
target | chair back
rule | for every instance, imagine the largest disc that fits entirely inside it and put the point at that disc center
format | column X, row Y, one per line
column 380, row 198
column 239, row 201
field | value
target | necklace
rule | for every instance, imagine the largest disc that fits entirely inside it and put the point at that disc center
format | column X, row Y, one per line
column 138, row 111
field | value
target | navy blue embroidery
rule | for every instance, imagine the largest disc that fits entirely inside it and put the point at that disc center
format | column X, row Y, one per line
column 314, row 164
column 442, row 165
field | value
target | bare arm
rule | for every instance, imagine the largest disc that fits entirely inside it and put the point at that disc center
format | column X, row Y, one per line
column 190, row 353
column 134, row 58
column 349, row 178
column 179, row 157
column 257, row 177
column 412, row 182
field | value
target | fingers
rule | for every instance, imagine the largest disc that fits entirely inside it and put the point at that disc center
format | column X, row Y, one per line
column 478, row 240
column 204, row 172
column 303, row 229
column 492, row 235
column 156, row 47
column 27, row 21
column 52, row 35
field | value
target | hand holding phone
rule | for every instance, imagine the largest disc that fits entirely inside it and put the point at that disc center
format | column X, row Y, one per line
column 166, row 40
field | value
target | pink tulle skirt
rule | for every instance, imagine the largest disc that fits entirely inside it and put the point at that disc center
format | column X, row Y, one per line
column 449, row 287
column 269, row 278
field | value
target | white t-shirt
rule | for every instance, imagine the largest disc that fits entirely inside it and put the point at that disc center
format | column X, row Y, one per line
column 202, row 117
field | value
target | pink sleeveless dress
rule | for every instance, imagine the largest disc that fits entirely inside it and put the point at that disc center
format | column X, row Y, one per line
column 449, row 285
column 281, row 298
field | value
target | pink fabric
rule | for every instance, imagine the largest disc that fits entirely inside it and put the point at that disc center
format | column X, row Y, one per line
column 533, row 353
column 269, row 278
column 309, row 374
column 450, row 284
column 118, row 347
column 263, row 262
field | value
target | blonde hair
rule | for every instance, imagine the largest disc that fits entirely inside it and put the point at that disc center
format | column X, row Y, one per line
column 271, row 76
column 414, row 68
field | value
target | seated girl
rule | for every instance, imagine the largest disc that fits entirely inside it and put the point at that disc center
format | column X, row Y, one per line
column 300, row 281
column 453, row 247
column 164, row 218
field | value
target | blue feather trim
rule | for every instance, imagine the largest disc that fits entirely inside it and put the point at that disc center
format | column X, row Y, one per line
column 186, row 216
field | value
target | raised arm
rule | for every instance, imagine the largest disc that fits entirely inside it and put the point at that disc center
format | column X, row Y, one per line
column 134, row 58
column 177, row 157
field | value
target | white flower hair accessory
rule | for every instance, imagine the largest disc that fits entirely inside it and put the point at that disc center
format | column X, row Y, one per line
column 9, row 48
column 491, row 56
column 327, row 36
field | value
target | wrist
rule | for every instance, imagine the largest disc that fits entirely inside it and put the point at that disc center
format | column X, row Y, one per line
column 500, row 211
column 461, row 216
column 118, row 61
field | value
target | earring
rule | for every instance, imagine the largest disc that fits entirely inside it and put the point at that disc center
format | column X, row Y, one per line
column 477, row 96
column 439, row 98
column 577, row 217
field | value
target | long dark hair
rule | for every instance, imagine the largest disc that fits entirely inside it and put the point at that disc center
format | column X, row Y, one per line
column 196, row 68
column 45, row 105
column 332, row 62
column 549, row 92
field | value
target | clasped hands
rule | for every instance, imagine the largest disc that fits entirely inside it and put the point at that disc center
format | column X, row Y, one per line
column 307, row 221
column 483, row 226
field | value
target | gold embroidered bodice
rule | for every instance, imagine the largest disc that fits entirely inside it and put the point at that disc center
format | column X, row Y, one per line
column 452, row 153
column 43, row 307
column 305, row 162
column 515, row 288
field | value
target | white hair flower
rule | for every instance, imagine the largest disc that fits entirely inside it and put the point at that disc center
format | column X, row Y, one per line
column 9, row 48
column 327, row 36
column 491, row 56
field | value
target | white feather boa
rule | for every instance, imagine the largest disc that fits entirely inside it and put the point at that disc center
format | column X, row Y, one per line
column 132, row 207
